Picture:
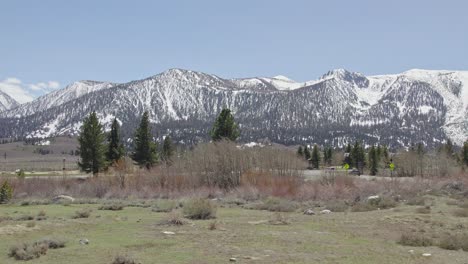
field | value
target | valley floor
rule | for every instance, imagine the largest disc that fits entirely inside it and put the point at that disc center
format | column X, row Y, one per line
column 249, row 236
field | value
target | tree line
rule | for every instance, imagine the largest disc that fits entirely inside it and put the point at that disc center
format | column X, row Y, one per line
column 99, row 150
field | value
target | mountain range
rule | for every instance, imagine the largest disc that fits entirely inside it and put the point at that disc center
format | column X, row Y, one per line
column 338, row 108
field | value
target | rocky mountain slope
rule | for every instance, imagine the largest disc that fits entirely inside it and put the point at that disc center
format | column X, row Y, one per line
column 340, row 107
column 7, row 102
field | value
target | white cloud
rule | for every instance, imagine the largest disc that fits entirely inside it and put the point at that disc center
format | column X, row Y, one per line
column 42, row 86
column 23, row 93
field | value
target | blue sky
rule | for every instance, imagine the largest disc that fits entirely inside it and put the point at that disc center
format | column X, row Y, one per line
column 48, row 44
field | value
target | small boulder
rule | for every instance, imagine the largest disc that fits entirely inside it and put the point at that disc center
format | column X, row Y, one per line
column 232, row 259
column 63, row 198
column 168, row 233
column 309, row 212
column 326, row 211
column 373, row 197
column 84, row 241
column 426, row 254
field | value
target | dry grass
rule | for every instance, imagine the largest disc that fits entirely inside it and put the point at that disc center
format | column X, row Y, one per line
column 173, row 219
column 199, row 209
column 275, row 204
column 124, row 259
column 461, row 212
column 112, row 207
column 83, row 213
column 423, row 210
column 415, row 240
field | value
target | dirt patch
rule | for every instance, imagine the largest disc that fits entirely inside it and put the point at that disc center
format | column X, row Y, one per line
column 16, row 229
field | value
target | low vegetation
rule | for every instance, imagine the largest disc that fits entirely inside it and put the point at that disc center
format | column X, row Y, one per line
column 415, row 240
column 199, row 209
column 82, row 213
column 28, row 251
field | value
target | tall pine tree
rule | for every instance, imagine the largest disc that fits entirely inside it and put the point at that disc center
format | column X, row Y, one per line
column 225, row 127
column 348, row 156
column 92, row 147
column 144, row 152
column 115, row 149
column 464, row 154
column 306, row 153
column 167, row 150
column 373, row 160
column 315, row 159
column 300, row 152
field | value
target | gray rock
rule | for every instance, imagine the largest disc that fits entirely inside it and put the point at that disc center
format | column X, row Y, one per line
column 326, row 211
column 232, row 259
column 309, row 212
column 63, row 198
column 84, row 241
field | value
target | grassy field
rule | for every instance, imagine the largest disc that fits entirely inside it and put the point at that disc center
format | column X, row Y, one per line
column 250, row 236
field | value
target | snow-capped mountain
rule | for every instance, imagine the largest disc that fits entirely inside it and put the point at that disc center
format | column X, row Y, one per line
column 339, row 107
column 7, row 102
column 58, row 97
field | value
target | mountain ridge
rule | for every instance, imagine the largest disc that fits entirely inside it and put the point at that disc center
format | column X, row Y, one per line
column 417, row 105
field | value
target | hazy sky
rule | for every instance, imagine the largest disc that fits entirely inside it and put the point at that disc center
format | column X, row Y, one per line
column 48, row 44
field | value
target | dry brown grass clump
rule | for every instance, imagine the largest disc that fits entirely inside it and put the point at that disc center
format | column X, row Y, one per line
column 28, row 251
column 461, row 212
column 454, row 242
column 275, row 204
column 124, row 259
column 199, row 209
column 174, row 219
column 279, row 219
column 83, row 213
column 423, row 210
column 112, row 207
column 415, row 240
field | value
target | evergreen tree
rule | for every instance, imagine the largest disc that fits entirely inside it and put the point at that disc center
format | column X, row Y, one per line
column 167, row 150
column 306, row 153
column 92, row 146
column 315, row 159
column 115, row 149
column 328, row 155
column 144, row 152
column 385, row 153
column 449, row 147
column 379, row 153
column 347, row 159
column 420, row 152
column 373, row 160
column 300, row 152
column 225, row 127
column 358, row 156
column 464, row 154
column 6, row 192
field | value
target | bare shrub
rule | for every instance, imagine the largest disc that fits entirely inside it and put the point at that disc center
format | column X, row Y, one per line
column 31, row 224
column 199, row 209
column 337, row 206
column 415, row 240
column 83, row 213
column 28, row 251
column 24, row 218
column 124, row 259
column 454, row 242
column 112, row 207
column 423, row 210
column 174, row 219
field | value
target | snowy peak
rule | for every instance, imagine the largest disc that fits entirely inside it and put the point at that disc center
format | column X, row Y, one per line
column 343, row 106
column 7, row 102
column 57, row 98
